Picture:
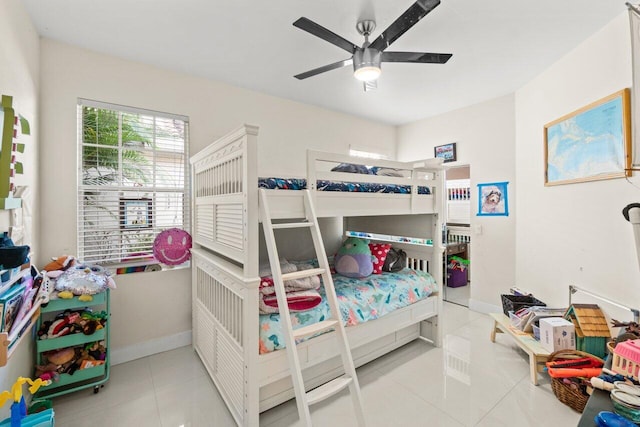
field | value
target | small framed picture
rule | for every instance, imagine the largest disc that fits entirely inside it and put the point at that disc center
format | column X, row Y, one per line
column 135, row 213
column 493, row 199
column 446, row 152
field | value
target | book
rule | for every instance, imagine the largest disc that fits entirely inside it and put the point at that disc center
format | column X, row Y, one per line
column 11, row 301
column 15, row 277
column 27, row 301
column 26, row 327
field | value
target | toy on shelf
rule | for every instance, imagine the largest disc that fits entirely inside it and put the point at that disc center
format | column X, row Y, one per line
column 71, row 359
column 626, row 359
column 84, row 280
column 72, row 343
column 50, row 272
column 19, row 417
column 72, row 322
column 69, row 277
column 60, row 263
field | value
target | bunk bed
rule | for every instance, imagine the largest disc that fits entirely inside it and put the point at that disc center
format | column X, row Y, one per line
column 225, row 263
column 458, row 201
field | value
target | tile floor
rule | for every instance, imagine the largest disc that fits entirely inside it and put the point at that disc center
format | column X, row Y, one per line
column 459, row 295
column 467, row 382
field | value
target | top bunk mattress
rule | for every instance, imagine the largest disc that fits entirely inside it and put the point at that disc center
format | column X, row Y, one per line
column 360, row 300
column 322, row 185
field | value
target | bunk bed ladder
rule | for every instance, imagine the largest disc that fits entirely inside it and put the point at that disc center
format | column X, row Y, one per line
column 333, row 325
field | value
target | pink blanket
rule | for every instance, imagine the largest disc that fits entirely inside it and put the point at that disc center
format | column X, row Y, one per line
column 296, row 301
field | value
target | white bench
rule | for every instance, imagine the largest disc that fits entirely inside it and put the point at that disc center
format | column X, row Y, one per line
column 538, row 355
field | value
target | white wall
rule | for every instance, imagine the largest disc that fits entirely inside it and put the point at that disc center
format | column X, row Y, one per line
column 484, row 134
column 153, row 306
column 19, row 77
column 575, row 233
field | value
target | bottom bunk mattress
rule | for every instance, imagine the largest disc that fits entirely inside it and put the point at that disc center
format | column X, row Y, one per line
column 360, row 300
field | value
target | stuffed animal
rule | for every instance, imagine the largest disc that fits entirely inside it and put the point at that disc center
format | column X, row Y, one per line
column 97, row 350
column 83, row 354
column 84, row 280
column 49, row 273
column 354, row 258
column 72, row 322
column 59, row 328
column 62, row 356
column 48, row 372
column 60, row 263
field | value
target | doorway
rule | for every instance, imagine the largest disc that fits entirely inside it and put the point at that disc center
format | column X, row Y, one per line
column 457, row 287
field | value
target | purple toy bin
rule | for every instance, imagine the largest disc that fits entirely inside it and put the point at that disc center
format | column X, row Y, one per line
column 456, row 278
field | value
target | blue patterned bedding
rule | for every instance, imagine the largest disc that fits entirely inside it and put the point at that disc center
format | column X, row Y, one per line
column 322, row 185
column 360, row 300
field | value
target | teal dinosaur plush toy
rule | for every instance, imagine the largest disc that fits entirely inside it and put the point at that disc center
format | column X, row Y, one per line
column 354, row 258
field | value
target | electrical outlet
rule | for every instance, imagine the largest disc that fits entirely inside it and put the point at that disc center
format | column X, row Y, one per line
column 477, row 229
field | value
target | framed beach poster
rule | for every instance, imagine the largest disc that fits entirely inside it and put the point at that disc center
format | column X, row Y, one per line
column 591, row 143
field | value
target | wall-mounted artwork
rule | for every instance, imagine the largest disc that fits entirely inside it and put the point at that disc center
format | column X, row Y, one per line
column 591, row 143
column 12, row 126
column 493, row 199
column 446, row 152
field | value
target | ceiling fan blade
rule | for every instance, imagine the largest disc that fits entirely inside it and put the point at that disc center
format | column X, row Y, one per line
column 417, row 57
column 319, row 31
column 371, row 85
column 324, row 68
column 408, row 19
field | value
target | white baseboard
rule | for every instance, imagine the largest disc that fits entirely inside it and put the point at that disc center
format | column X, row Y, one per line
column 148, row 348
column 483, row 307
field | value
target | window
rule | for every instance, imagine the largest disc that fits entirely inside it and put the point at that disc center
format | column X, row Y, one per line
column 367, row 152
column 132, row 181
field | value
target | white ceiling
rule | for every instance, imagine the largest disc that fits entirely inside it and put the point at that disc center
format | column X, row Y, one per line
column 497, row 45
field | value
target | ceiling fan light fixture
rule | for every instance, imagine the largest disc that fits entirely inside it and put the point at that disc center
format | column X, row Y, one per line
column 367, row 74
column 366, row 64
column 366, row 60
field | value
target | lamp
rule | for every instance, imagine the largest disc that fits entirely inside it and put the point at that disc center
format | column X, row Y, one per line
column 366, row 64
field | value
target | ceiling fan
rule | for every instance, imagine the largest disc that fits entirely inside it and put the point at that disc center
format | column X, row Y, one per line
column 366, row 60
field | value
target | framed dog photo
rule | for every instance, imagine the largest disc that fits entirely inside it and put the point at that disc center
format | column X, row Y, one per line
column 493, row 199
column 446, row 152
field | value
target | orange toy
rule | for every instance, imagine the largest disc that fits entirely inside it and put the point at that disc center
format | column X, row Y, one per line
column 572, row 372
column 60, row 263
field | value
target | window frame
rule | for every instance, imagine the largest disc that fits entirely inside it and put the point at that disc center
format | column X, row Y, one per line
column 123, row 193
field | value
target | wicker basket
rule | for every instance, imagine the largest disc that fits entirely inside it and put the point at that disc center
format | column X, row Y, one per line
column 565, row 393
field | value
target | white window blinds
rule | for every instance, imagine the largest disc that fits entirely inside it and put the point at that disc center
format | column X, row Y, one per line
column 132, row 181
